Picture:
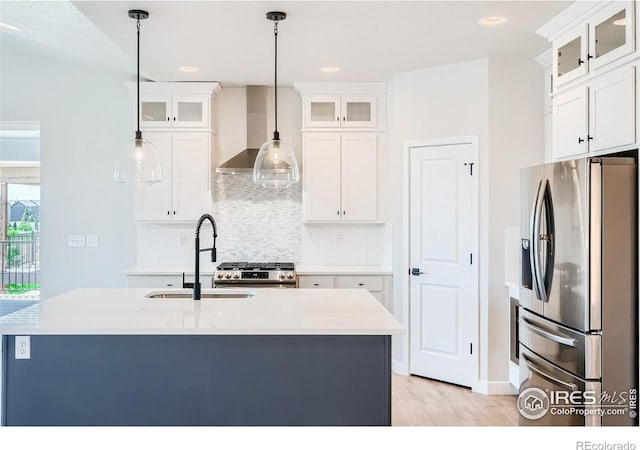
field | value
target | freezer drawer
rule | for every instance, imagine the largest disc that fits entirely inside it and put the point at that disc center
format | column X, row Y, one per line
column 535, row 372
column 576, row 352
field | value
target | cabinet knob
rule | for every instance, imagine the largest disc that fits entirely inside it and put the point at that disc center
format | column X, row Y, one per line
column 169, row 285
column 580, row 140
column 168, row 119
column 344, row 213
column 589, row 56
column 174, row 119
column 360, row 284
column 174, row 213
column 589, row 138
column 168, row 213
column 316, row 284
column 338, row 212
column 580, row 61
column 344, row 119
column 337, row 119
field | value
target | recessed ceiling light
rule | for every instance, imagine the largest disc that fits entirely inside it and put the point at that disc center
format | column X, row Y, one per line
column 8, row 26
column 492, row 20
column 329, row 69
column 620, row 22
column 188, row 69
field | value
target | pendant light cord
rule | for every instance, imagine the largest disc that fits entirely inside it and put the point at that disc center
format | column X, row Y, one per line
column 138, row 132
column 276, row 134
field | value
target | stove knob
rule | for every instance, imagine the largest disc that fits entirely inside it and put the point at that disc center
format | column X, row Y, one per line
column 281, row 276
column 236, row 276
column 290, row 275
column 228, row 276
column 218, row 275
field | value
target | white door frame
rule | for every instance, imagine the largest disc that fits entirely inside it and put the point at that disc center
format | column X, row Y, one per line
column 407, row 146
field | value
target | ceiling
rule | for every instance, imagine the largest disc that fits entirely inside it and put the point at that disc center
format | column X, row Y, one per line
column 232, row 42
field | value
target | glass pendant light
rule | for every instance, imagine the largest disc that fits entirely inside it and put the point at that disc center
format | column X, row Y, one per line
column 138, row 164
column 276, row 165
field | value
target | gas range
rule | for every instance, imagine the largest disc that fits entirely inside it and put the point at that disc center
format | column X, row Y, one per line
column 249, row 274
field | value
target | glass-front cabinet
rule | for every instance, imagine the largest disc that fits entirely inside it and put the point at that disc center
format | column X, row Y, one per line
column 570, row 55
column 335, row 111
column 611, row 34
column 177, row 111
column 607, row 36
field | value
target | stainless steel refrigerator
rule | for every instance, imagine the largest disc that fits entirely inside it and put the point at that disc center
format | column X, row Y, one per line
column 578, row 325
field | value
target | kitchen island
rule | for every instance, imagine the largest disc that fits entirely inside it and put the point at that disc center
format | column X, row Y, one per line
column 281, row 357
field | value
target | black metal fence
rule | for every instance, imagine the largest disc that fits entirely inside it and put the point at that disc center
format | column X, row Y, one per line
column 20, row 263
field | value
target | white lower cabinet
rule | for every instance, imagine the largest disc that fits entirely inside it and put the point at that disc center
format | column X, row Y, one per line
column 598, row 116
column 185, row 190
column 165, row 281
column 341, row 177
column 378, row 285
column 154, row 281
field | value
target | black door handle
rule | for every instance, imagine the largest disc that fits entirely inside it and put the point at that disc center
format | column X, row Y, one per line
column 416, row 272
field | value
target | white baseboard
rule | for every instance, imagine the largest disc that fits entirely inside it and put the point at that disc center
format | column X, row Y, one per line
column 399, row 367
column 494, row 388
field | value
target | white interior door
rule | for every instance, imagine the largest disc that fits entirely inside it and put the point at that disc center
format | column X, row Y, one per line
column 443, row 246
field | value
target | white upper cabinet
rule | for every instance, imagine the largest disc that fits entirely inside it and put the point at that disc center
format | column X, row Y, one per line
column 611, row 34
column 177, row 111
column 604, row 36
column 185, row 190
column 341, row 177
column 352, row 107
column 597, row 116
column 176, row 106
column 332, row 111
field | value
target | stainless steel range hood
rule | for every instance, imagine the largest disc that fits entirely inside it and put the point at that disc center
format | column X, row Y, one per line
column 256, row 133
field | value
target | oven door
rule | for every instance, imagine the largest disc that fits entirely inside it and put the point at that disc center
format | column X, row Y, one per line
column 564, row 391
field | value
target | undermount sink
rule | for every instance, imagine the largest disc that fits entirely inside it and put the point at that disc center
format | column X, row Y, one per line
column 223, row 293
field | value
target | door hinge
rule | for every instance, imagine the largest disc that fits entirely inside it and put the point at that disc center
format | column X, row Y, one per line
column 470, row 167
column 470, row 258
column 471, row 348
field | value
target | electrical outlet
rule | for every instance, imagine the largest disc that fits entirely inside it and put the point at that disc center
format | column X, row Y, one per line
column 23, row 347
column 339, row 239
column 182, row 239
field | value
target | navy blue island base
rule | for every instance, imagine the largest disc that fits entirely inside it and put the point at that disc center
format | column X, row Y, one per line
column 198, row 380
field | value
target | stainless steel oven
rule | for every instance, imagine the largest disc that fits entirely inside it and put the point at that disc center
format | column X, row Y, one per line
column 276, row 275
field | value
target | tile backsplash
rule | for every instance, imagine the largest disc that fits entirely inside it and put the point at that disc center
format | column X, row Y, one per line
column 254, row 224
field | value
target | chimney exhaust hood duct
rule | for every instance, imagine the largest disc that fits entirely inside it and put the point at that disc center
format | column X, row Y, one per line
column 256, row 133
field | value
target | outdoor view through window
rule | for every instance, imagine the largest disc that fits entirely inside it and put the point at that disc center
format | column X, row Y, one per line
column 19, row 215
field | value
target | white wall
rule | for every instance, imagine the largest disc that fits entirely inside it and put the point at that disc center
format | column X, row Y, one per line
column 516, row 129
column 444, row 101
column 85, row 118
column 499, row 101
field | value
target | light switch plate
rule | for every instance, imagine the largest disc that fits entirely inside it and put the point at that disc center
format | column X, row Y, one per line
column 92, row 240
column 76, row 240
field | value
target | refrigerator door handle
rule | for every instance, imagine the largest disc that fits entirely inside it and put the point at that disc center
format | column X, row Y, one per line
column 549, row 241
column 570, row 342
column 530, row 365
column 533, row 260
column 538, row 280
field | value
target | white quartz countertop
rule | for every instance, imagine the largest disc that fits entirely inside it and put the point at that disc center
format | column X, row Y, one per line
column 270, row 311
column 343, row 270
column 205, row 270
column 300, row 270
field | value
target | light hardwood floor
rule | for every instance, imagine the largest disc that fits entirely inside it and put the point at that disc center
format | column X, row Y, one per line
column 417, row 401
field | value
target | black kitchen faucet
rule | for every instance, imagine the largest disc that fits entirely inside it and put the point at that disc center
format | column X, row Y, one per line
column 196, row 281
